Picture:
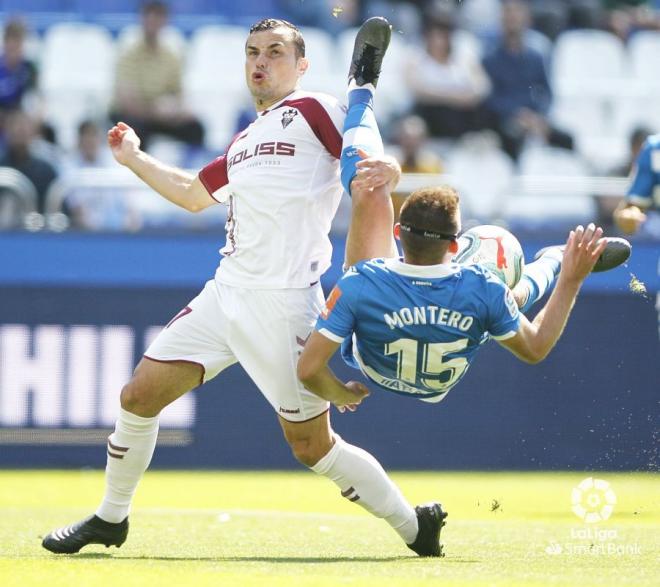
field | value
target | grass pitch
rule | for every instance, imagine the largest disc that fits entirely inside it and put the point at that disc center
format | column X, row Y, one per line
column 294, row 530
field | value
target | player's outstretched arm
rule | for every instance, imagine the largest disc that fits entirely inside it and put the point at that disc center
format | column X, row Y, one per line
column 179, row 187
column 317, row 377
column 534, row 340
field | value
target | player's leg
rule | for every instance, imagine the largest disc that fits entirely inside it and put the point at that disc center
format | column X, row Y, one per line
column 540, row 275
column 359, row 476
column 268, row 351
column 537, row 278
column 372, row 216
column 186, row 352
column 129, row 448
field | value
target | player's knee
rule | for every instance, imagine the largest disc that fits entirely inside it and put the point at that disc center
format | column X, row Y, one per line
column 136, row 399
column 307, row 451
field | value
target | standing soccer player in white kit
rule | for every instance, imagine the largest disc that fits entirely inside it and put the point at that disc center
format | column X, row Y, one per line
column 280, row 180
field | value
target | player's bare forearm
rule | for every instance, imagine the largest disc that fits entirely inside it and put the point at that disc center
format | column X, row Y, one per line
column 176, row 185
column 317, row 377
column 324, row 383
column 535, row 340
column 551, row 320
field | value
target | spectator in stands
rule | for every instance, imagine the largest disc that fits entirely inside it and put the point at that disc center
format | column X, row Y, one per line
column 18, row 75
column 333, row 16
column 148, row 94
column 517, row 107
column 94, row 208
column 447, row 86
column 624, row 17
column 606, row 204
column 414, row 157
column 552, row 17
column 20, row 134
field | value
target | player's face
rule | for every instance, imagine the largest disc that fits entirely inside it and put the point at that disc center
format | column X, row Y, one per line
column 272, row 68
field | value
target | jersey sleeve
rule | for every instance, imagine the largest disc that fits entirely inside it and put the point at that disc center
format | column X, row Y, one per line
column 325, row 116
column 215, row 177
column 641, row 187
column 337, row 320
column 503, row 312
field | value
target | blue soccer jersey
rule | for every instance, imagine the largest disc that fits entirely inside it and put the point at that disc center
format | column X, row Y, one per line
column 415, row 329
column 644, row 190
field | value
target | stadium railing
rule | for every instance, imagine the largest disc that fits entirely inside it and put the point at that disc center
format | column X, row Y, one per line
column 526, row 198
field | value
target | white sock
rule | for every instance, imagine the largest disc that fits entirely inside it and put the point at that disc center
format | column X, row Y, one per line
column 361, row 479
column 130, row 448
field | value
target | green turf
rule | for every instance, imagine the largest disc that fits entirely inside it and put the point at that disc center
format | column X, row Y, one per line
column 293, row 529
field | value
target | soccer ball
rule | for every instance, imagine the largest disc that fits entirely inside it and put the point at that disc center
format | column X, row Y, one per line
column 492, row 247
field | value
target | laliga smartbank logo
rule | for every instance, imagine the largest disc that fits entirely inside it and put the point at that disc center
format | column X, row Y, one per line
column 593, row 500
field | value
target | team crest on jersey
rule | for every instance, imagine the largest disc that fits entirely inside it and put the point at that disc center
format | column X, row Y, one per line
column 288, row 116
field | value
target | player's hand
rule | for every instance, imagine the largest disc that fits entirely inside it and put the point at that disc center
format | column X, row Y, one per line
column 583, row 248
column 123, row 142
column 629, row 219
column 355, row 393
column 373, row 172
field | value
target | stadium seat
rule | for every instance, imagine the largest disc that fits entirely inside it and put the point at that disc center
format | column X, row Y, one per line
column 27, row 6
column 543, row 160
column 600, row 126
column 587, row 61
column 482, row 173
column 536, row 211
column 644, row 52
column 76, row 79
column 88, row 9
column 551, row 188
column 321, row 75
column 214, row 80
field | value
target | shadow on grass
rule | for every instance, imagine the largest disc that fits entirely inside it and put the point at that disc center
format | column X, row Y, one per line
column 280, row 559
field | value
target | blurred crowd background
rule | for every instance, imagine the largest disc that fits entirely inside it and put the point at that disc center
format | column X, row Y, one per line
column 534, row 109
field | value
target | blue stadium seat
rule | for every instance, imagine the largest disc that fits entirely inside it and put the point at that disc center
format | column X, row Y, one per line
column 26, row 6
column 87, row 8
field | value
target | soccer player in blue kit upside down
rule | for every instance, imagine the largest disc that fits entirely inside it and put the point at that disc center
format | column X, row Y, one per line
column 413, row 326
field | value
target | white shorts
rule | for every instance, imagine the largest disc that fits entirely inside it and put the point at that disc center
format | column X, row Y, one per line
column 263, row 330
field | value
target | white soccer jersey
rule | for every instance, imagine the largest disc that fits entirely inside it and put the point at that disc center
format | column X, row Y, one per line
column 280, row 179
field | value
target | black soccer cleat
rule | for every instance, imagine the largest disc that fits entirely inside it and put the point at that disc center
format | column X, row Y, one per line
column 92, row 530
column 371, row 42
column 616, row 252
column 431, row 519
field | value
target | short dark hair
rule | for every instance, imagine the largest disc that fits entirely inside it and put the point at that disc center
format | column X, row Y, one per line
column 15, row 28
column 433, row 209
column 155, row 6
column 268, row 24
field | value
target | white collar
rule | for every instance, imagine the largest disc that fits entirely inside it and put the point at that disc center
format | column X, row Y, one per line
column 277, row 104
column 430, row 271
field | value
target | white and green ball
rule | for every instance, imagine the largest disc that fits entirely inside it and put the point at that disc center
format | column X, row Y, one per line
column 495, row 248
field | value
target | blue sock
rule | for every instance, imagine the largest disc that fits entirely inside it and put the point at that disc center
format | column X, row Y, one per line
column 360, row 132
column 538, row 277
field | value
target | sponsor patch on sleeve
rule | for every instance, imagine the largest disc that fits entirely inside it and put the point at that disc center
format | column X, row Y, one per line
column 511, row 303
column 330, row 303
